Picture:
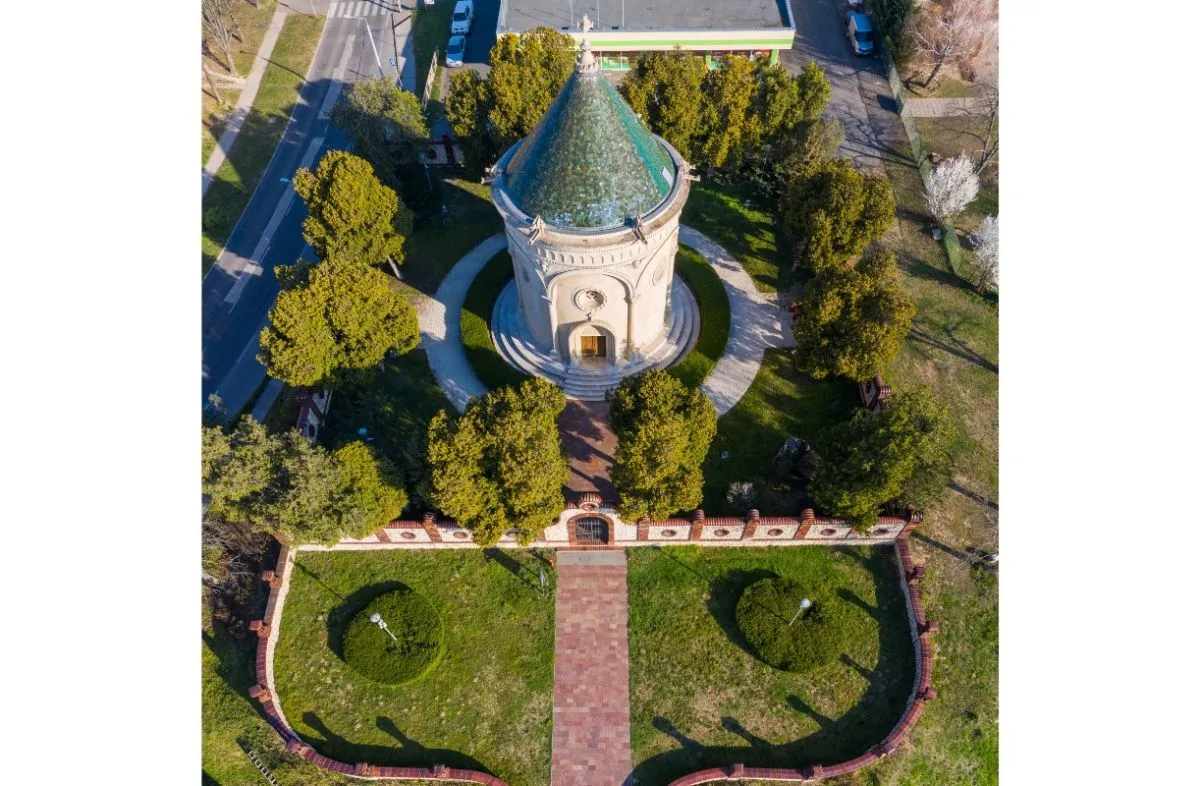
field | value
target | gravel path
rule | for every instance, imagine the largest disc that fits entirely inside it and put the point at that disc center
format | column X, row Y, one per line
column 441, row 332
column 757, row 323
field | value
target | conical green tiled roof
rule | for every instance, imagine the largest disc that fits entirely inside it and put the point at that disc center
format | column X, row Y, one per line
column 590, row 162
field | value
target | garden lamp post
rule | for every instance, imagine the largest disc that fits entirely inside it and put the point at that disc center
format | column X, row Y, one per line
column 378, row 620
column 805, row 603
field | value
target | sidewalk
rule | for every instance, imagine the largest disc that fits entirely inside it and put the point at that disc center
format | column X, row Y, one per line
column 239, row 113
column 591, row 744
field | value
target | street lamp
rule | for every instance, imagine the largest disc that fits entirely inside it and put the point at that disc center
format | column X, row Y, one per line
column 378, row 620
column 805, row 604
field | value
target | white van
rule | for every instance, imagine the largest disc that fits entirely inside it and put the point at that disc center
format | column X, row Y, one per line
column 464, row 14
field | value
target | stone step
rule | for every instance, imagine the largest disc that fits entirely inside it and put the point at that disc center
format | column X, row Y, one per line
column 517, row 347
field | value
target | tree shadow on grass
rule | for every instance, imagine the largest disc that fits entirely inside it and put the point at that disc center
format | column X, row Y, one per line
column 408, row 753
column 888, row 685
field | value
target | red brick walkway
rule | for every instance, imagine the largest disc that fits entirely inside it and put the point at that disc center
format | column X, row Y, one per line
column 590, row 444
column 591, row 671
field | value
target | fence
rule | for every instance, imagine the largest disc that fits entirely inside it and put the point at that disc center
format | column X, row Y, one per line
column 921, row 156
column 429, row 79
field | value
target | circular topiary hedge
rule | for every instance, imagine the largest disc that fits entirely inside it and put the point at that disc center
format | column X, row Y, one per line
column 417, row 648
column 814, row 639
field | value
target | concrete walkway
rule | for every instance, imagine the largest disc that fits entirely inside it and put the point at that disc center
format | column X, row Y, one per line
column 440, row 319
column 757, row 323
column 241, row 111
column 945, row 107
column 591, row 744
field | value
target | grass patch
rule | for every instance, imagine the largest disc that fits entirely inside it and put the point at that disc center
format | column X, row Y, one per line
column 699, row 698
column 244, row 165
column 954, row 348
column 431, row 32
column 493, row 370
column 231, row 719
column 440, row 240
column 745, row 230
column 782, row 402
column 488, row 704
column 714, row 317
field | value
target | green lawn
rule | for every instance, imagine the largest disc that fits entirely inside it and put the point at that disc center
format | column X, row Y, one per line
column 699, row 698
column 395, row 406
column 244, row 166
column 782, row 402
column 714, row 317
column 230, row 718
column 747, row 231
column 487, row 706
column 493, row 370
column 440, row 240
column 253, row 23
column 431, row 32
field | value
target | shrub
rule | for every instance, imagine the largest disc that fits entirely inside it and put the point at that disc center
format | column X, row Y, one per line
column 215, row 220
column 815, row 639
column 419, row 643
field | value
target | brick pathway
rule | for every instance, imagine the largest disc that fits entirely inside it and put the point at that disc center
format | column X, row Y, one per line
column 591, row 444
column 591, row 671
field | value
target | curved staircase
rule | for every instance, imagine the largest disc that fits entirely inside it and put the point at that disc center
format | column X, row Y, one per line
column 589, row 383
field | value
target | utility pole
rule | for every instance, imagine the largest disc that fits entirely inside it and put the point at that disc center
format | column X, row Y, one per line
column 396, row 47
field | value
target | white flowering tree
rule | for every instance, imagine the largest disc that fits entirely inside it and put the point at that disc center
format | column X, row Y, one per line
column 987, row 251
column 952, row 186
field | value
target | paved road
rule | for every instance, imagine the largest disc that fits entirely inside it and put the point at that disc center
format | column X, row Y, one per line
column 483, row 35
column 860, row 88
column 240, row 288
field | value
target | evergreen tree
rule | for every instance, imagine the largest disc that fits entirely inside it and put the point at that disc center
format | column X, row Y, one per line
column 333, row 317
column 904, row 454
column 351, row 215
column 664, row 89
column 728, row 95
column 501, row 465
column 298, row 492
column 853, row 320
column 663, row 433
column 832, row 212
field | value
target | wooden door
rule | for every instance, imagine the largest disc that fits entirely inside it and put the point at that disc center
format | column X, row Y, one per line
column 593, row 346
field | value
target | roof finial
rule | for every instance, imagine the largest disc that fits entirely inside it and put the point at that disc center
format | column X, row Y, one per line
column 586, row 63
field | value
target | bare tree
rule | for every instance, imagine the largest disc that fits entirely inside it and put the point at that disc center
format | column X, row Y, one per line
column 987, row 251
column 218, row 20
column 952, row 31
column 952, row 186
column 991, row 144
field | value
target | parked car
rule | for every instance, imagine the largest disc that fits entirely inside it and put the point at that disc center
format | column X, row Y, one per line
column 860, row 33
column 454, row 51
column 464, row 14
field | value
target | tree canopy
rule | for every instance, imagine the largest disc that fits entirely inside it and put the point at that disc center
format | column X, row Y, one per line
column 298, row 492
column 904, row 454
column 501, row 466
column 334, row 317
column 831, row 212
column 385, row 124
column 663, row 433
column 853, row 320
column 527, row 72
column 351, row 215
column 664, row 89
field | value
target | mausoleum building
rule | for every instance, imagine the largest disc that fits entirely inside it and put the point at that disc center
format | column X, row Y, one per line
column 591, row 202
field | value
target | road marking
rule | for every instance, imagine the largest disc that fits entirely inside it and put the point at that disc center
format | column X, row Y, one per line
column 254, row 264
column 358, row 10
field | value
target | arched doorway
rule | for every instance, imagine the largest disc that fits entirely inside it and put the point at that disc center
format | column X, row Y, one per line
column 589, row 531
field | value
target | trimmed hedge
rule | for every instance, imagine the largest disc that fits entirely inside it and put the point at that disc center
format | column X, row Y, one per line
column 419, row 643
column 816, row 638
